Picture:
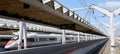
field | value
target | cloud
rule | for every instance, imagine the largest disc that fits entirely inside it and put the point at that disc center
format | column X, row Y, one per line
column 111, row 4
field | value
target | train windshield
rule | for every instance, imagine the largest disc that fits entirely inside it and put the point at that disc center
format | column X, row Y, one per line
column 15, row 38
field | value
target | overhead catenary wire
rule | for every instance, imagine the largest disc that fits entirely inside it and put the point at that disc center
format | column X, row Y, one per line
column 86, row 14
column 95, row 18
column 86, row 4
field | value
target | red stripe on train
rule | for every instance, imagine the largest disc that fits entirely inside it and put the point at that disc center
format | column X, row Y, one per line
column 10, row 42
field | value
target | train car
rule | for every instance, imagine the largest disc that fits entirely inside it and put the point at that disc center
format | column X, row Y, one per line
column 39, row 39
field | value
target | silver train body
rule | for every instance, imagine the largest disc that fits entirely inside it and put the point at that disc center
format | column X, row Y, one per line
column 40, row 39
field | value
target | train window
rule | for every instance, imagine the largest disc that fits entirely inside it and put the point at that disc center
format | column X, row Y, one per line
column 30, row 39
column 72, row 38
column 4, row 39
column 14, row 38
column 42, row 39
column 52, row 39
column 67, row 38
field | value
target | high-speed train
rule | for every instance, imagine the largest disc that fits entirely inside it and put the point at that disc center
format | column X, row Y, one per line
column 40, row 39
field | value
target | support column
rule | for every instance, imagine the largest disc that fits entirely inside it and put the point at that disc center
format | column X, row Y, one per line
column 95, row 37
column 86, row 37
column 20, row 35
column 63, row 36
column 24, row 35
column 90, row 37
column 112, row 33
column 78, row 37
column 98, row 37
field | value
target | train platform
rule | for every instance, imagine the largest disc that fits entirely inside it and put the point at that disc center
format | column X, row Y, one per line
column 70, row 48
column 90, row 49
column 117, row 48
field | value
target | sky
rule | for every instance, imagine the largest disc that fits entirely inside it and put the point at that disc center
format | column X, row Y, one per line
column 94, row 17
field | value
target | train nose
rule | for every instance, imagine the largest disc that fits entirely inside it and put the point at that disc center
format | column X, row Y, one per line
column 6, row 47
column 10, row 43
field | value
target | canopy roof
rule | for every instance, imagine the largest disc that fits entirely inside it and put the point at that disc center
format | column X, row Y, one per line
column 45, row 12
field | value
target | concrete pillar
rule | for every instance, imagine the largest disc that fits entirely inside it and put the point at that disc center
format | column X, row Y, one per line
column 63, row 36
column 112, row 33
column 86, row 38
column 78, row 37
column 95, row 37
column 20, row 35
column 92, row 37
column 25, row 35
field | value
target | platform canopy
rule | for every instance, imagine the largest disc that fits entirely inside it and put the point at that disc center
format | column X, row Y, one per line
column 46, row 12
